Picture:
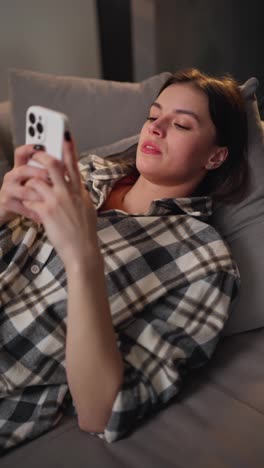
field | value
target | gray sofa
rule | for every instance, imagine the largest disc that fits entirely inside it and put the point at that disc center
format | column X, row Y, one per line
column 217, row 420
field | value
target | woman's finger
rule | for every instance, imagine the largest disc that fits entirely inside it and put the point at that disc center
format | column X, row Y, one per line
column 54, row 167
column 23, row 154
column 70, row 160
column 34, row 209
column 21, row 173
column 21, row 192
column 43, row 189
column 18, row 208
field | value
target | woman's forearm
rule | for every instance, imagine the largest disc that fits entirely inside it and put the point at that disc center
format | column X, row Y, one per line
column 93, row 362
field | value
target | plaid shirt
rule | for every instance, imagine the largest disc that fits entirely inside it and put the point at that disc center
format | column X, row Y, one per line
column 170, row 280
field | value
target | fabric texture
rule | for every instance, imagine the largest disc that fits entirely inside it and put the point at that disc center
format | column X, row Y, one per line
column 99, row 111
column 170, row 280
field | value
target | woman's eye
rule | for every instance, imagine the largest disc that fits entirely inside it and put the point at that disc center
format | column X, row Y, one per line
column 183, row 127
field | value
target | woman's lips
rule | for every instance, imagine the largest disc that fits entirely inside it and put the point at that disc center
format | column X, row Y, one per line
column 150, row 148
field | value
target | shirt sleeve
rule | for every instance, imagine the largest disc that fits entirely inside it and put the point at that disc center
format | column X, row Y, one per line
column 170, row 337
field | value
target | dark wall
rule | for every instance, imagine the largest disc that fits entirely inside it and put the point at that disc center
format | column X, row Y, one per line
column 216, row 36
column 114, row 21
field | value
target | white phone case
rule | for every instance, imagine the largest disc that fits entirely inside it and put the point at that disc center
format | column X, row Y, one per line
column 46, row 127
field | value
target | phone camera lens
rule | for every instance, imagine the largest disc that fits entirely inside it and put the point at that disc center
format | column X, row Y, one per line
column 32, row 118
column 40, row 127
column 31, row 131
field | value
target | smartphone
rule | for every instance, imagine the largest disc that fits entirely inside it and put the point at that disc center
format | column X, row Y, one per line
column 46, row 127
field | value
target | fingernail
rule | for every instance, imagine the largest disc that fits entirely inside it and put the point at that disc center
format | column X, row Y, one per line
column 39, row 147
column 67, row 135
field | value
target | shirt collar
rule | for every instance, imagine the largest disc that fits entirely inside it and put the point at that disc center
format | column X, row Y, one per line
column 104, row 173
column 199, row 207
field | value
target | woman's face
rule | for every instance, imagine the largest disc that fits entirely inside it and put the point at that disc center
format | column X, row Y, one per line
column 178, row 137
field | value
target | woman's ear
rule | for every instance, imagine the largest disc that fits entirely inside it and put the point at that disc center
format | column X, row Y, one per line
column 217, row 159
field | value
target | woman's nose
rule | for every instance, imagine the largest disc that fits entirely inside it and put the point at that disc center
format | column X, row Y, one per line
column 157, row 127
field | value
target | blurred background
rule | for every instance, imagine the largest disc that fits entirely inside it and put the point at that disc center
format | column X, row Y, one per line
column 129, row 40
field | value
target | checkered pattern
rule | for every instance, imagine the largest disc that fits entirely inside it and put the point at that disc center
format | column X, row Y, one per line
column 170, row 280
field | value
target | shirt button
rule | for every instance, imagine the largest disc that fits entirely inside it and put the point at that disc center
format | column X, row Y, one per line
column 35, row 269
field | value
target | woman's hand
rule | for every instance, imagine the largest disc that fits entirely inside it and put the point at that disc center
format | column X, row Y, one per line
column 14, row 191
column 65, row 208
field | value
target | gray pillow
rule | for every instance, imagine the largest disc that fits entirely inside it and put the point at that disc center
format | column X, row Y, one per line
column 116, row 148
column 242, row 226
column 100, row 111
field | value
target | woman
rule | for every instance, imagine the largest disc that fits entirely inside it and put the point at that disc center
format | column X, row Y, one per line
column 148, row 282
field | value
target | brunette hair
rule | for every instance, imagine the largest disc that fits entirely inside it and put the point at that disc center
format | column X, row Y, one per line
column 229, row 182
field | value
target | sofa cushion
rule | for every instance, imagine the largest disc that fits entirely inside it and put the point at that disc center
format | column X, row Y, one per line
column 217, row 421
column 99, row 111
